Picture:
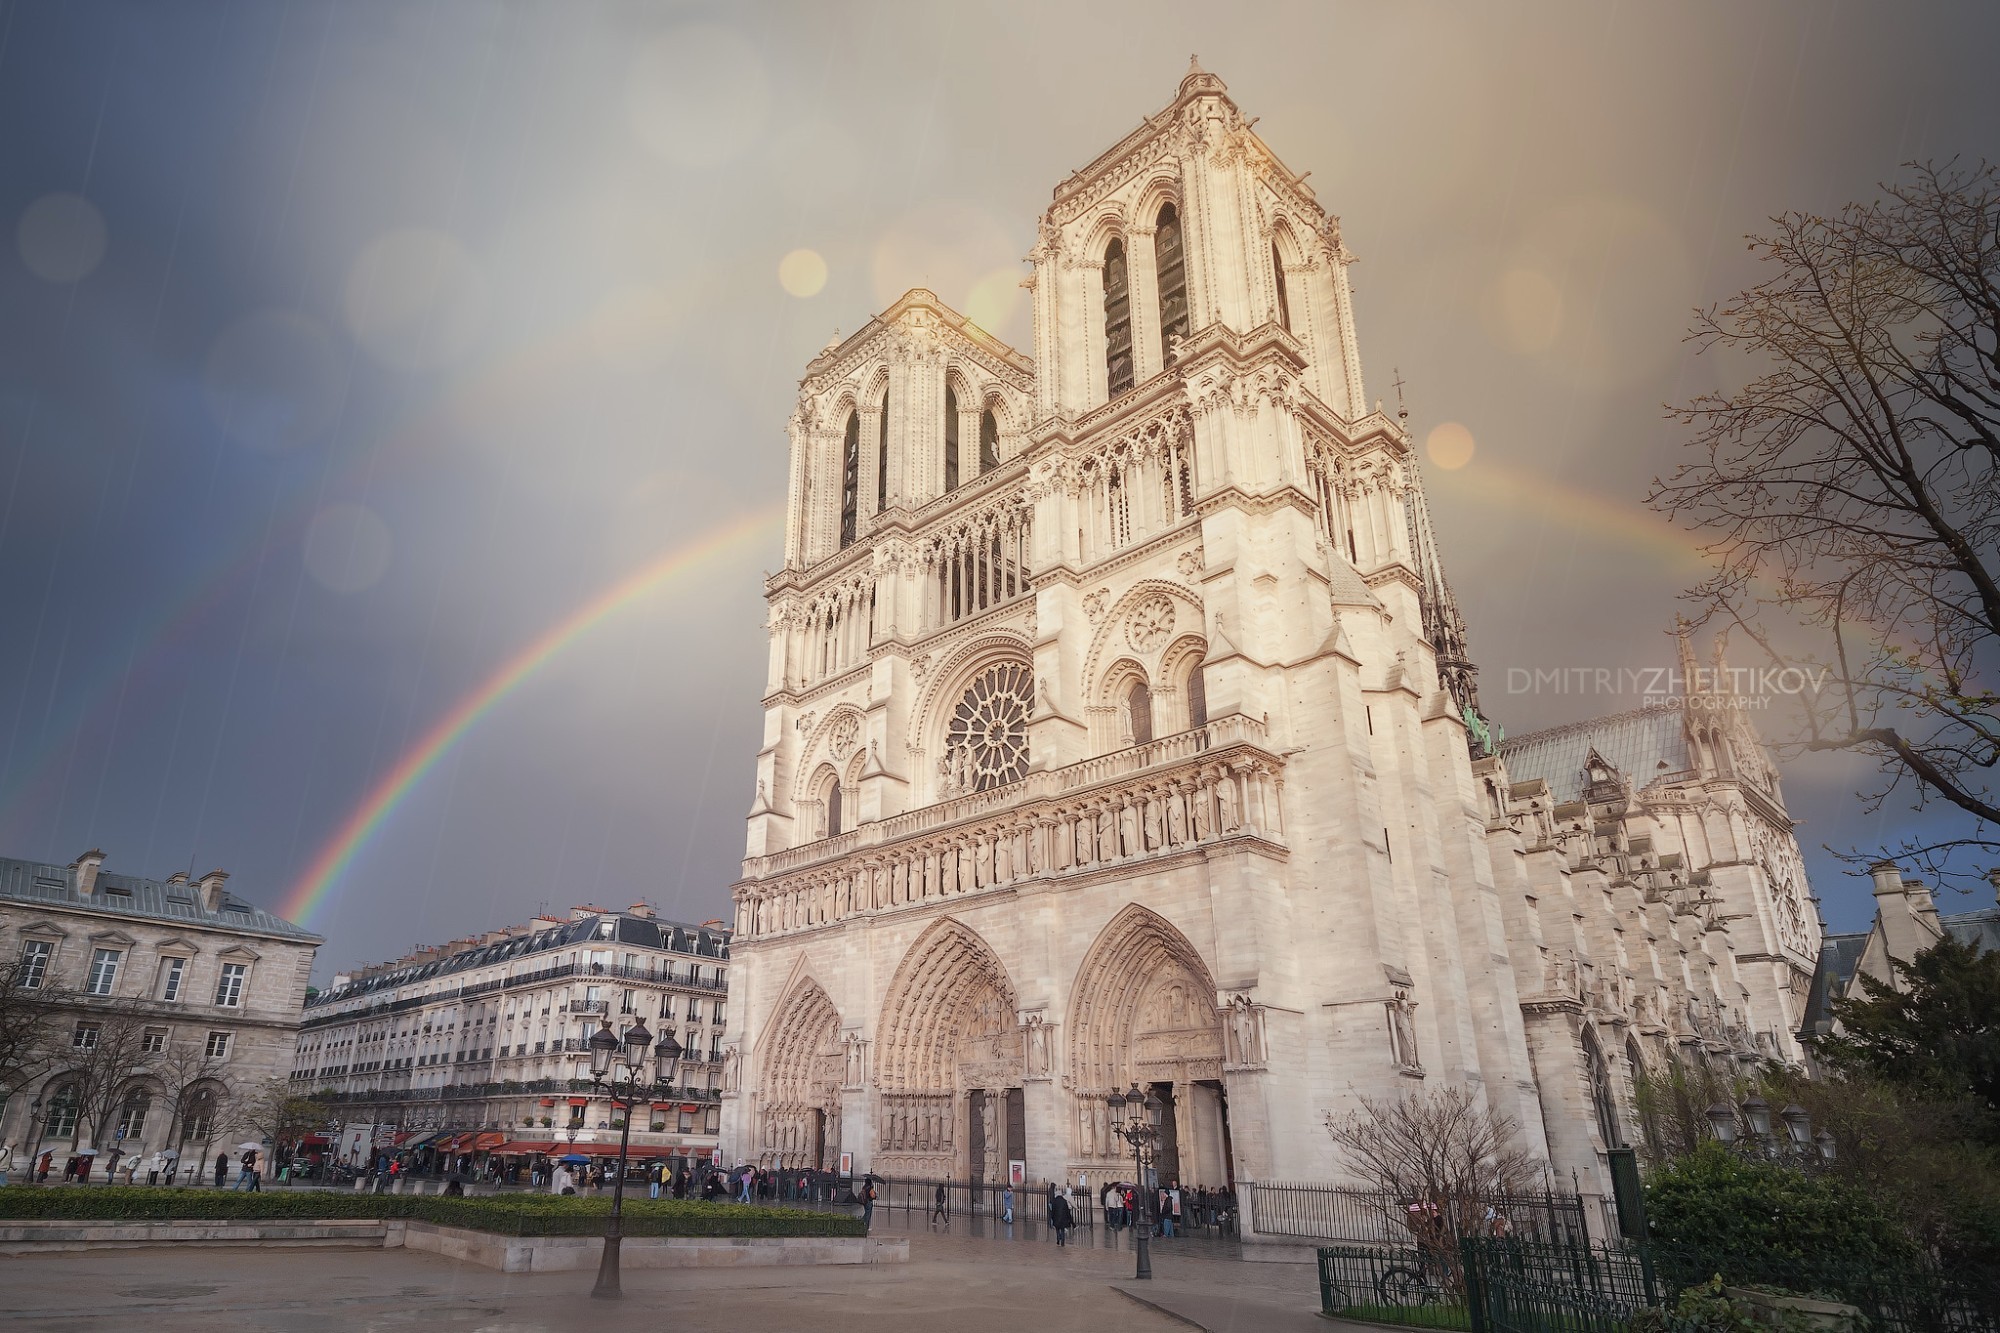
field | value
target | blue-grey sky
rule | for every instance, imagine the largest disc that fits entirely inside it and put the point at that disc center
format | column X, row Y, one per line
column 347, row 347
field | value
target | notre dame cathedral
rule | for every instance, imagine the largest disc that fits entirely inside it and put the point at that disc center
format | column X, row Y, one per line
column 1120, row 729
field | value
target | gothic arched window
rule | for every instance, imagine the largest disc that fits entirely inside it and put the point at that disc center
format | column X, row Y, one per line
column 850, row 478
column 1601, row 1099
column 1139, row 708
column 989, row 441
column 132, row 1115
column 1117, row 319
column 833, row 808
column 1278, row 271
column 950, row 439
column 882, row 460
column 1197, row 697
column 1171, row 265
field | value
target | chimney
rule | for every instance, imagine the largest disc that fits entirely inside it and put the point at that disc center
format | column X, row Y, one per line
column 1888, row 878
column 644, row 911
column 340, row 979
column 177, row 880
column 211, row 890
column 85, row 868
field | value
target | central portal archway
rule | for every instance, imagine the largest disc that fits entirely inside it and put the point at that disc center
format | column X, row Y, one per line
column 949, row 1061
column 799, row 1100
column 1143, row 1011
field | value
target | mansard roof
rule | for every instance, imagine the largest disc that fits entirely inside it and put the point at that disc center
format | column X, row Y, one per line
column 133, row 898
column 1642, row 745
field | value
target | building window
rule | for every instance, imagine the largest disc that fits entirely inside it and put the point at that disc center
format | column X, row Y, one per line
column 63, row 1108
column 173, row 973
column 950, row 439
column 714, row 1120
column 1171, row 265
column 687, row 1122
column 218, row 1045
column 104, row 971
column 1139, row 711
column 229, row 987
column 716, row 1017
column 153, row 1041
column 883, row 459
column 850, row 478
column 1278, row 272
column 35, row 955
column 198, row 1121
column 132, row 1115
column 989, row 441
column 833, row 808
column 1117, row 319
column 986, row 738
column 694, row 1011
column 84, row 1038
column 666, row 1006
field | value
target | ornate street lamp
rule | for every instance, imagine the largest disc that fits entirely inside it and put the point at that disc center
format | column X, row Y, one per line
column 1798, row 1126
column 1722, row 1118
column 615, row 1062
column 1757, row 1112
column 1136, row 1119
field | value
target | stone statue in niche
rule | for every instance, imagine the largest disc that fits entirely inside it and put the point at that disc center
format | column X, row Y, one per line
column 1403, row 1031
column 1152, row 823
column 1037, row 1047
column 1128, row 831
column 1225, row 792
column 1246, row 1026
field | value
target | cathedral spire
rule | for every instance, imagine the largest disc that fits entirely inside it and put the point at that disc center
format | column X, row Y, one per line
column 1443, row 625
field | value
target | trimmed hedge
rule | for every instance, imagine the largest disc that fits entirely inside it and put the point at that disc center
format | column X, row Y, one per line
column 1714, row 1201
column 506, row 1214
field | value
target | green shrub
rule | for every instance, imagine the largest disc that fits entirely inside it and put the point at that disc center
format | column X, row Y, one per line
column 1714, row 1201
column 507, row 1214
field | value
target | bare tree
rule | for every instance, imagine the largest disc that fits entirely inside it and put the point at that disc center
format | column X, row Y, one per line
column 1442, row 1156
column 31, row 1036
column 276, row 1112
column 1674, row 1097
column 1851, row 491
column 192, row 1084
column 106, row 1051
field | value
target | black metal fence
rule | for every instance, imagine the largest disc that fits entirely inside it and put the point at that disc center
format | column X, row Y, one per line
column 1367, row 1217
column 1390, row 1285
column 1513, row 1285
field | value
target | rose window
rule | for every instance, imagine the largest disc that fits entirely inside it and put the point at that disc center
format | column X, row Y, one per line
column 986, row 740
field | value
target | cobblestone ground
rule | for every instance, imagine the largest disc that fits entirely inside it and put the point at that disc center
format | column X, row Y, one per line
column 956, row 1281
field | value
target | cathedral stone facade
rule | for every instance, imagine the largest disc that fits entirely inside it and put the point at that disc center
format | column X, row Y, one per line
column 1119, row 729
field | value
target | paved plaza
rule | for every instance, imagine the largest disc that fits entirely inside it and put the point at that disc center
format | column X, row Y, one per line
column 955, row 1281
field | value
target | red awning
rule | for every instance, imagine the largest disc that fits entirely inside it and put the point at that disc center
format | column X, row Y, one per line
column 486, row 1142
column 520, row 1147
column 579, row 1101
column 313, row 1141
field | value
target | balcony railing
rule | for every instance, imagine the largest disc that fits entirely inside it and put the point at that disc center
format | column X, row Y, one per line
column 558, row 972
column 1148, row 802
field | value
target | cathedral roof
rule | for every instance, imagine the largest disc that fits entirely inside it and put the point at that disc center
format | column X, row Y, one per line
column 1642, row 745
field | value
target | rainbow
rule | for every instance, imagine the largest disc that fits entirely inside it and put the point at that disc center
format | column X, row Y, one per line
column 310, row 892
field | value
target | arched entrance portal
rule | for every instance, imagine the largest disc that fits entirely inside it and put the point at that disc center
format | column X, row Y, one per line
column 949, row 1062
column 799, row 1101
column 1143, row 1011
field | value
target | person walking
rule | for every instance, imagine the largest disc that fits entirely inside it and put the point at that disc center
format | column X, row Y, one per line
column 1062, row 1218
column 657, row 1178
column 867, row 1203
column 1007, row 1205
column 6, row 1160
column 221, row 1168
column 939, row 1213
column 1174, row 1206
column 1113, row 1206
column 561, row 1181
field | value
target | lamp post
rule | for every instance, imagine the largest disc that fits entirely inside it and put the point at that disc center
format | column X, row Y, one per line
column 41, row 1128
column 609, row 1057
column 1136, row 1118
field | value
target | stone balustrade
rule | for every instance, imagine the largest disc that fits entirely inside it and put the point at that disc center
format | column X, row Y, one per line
column 1198, row 787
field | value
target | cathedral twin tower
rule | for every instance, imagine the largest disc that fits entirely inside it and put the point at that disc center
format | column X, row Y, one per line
column 1118, row 731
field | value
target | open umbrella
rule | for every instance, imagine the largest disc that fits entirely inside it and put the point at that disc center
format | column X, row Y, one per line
column 574, row 1158
column 249, row 1147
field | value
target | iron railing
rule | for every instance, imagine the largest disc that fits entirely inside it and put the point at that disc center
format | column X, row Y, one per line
column 1513, row 1285
column 1390, row 1285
